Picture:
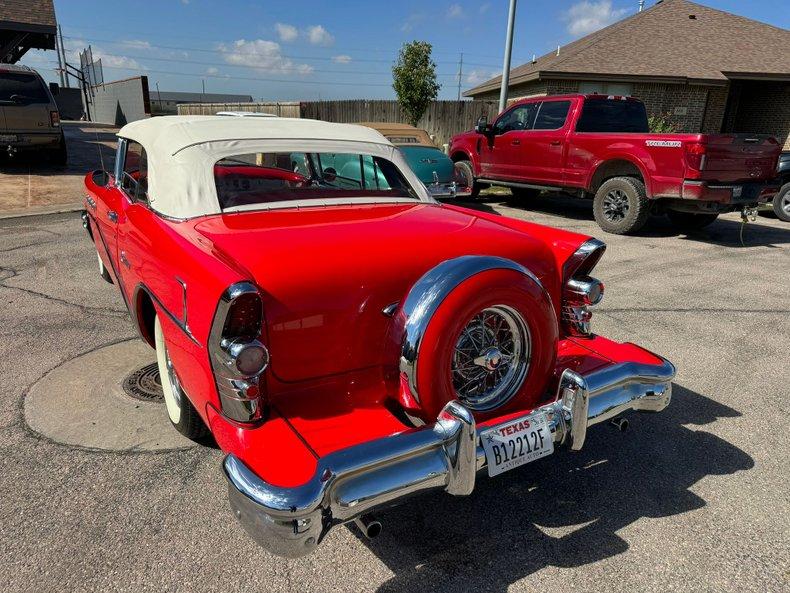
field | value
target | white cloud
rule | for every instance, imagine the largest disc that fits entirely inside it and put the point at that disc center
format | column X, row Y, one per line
column 109, row 60
column 212, row 71
column 317, row 35
column 412, row 21
column 286, row 32
column 455, row 11
column 341, row 59
column 136, row 44
column 476, row 77
column 484, row 7
column 588, row 16
column 262, row 55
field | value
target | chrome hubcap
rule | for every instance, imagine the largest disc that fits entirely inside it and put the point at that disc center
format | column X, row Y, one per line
column 491, row 358
column 786, row 202
column 174, row 382
column 615, row 205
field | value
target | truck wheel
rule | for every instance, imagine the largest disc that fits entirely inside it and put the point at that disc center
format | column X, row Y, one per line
column 621, row 206
column 691, row 220
column 182, row 413
column 465, row 168
column 782, row 203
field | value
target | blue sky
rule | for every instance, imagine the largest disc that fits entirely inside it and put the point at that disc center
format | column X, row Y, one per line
column 331, row 50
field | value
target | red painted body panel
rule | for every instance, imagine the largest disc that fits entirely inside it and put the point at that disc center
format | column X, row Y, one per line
column 325, row 274
column 569, row 159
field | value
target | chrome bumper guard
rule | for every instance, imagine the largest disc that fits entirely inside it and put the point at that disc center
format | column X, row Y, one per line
column 446, row 455
column 448, row 190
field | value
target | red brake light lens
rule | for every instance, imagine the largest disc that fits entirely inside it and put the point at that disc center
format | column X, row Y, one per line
column 244, row 317
column 695, row 155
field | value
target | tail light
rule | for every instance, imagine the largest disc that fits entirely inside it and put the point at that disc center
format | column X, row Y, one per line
column 695, row 155
column 580, row 291
column 238, row 358
column 54, row 119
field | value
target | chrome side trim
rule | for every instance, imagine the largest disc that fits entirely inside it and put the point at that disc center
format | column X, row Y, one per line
column 176, row 320
column 429, row 292
column 446, row 455
column 583, row 260
column 184, row 316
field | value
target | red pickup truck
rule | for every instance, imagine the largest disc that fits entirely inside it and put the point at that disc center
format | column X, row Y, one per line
column 599, row 146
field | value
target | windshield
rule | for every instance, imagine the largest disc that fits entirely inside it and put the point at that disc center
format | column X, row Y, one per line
column 263, row 178
column 613, row 115
column 15, row 86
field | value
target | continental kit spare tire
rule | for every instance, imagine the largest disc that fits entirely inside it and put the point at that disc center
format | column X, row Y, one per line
column 480, row 329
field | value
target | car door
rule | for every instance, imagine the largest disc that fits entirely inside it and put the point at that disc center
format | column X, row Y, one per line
column 503, row 153
column 544, row 143
column 135, row 218
column 103, row 203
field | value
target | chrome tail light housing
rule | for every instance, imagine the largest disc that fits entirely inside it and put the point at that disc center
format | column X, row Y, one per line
column 580, row 291
column 238, row 357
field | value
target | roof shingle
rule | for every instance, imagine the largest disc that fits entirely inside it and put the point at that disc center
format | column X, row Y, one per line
column 674, row 39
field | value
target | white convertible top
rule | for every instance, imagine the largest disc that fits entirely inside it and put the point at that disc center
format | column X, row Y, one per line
column 182, row 151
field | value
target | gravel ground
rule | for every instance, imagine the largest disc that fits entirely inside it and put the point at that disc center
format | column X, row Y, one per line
column 693, row 499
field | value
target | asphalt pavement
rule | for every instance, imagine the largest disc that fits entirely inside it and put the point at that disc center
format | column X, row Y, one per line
column 693, row 499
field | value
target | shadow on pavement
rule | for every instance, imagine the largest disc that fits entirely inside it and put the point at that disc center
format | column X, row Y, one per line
column 565, row 510
column 725, row 232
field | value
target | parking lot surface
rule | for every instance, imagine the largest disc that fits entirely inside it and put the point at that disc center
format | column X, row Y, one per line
column 693, row 499
column 29, row 183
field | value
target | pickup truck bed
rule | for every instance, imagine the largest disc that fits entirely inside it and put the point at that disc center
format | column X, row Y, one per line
column 599, row 146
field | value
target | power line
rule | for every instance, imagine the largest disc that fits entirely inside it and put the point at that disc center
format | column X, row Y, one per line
column 224, row 50
column 228, row 65
column 333, row 48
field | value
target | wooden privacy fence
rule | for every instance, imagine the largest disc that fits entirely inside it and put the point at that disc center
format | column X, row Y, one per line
column 278, row 108
column 442, row 119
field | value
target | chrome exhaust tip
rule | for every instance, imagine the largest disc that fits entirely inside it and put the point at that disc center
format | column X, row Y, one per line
column 369, row 526
column 620, row 424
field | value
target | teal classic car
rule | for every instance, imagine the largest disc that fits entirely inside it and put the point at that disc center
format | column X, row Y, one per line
column 433, row 167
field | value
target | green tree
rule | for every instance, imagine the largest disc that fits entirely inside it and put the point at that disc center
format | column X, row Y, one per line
column 414, row 79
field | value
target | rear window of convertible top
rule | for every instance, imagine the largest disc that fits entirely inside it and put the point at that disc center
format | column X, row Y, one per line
column 264, row 178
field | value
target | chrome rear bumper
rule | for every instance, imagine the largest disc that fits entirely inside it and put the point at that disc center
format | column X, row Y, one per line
column 447, row 455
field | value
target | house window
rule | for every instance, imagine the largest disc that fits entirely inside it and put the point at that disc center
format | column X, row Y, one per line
column 622, row 89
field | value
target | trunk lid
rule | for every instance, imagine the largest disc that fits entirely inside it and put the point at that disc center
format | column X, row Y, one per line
column 326, row 273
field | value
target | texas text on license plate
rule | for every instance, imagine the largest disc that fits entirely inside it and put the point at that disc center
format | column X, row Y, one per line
column 518, row 442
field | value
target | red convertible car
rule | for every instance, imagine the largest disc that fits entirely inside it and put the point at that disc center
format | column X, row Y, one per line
column 347, row 340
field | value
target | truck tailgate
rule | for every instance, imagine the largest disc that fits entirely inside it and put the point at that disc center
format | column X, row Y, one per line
column 739, row 157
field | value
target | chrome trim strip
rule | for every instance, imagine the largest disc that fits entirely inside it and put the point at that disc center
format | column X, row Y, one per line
column 447, row 455
column 430, row 291
column 184, row 318
column 142, row 286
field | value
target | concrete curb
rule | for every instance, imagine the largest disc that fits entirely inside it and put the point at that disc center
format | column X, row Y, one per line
column 59, row 209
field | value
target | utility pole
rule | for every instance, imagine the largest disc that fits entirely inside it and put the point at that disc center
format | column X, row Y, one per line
column 641, row 5
column 511, row 19
column 63, row 51
column 60, row 62
column 460, row 74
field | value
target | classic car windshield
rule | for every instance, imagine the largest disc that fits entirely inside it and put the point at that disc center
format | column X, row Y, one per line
column 262, row 178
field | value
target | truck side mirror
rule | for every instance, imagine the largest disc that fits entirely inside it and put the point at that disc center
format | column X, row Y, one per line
column 482, row 125
column 54, row 88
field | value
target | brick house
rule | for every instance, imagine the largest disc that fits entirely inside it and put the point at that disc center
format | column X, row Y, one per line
column 704, row 69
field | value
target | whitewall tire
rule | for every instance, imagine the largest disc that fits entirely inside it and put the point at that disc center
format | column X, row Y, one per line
column 182, row 414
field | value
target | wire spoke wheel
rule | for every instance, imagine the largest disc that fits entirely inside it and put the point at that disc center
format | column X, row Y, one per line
column 491, row 358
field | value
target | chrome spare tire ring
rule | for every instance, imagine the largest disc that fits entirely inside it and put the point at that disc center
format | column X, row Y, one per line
column 491, row 358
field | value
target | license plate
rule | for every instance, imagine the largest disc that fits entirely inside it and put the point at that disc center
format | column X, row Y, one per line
column 737, row 191
column 8, row 138
column 515, row 443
